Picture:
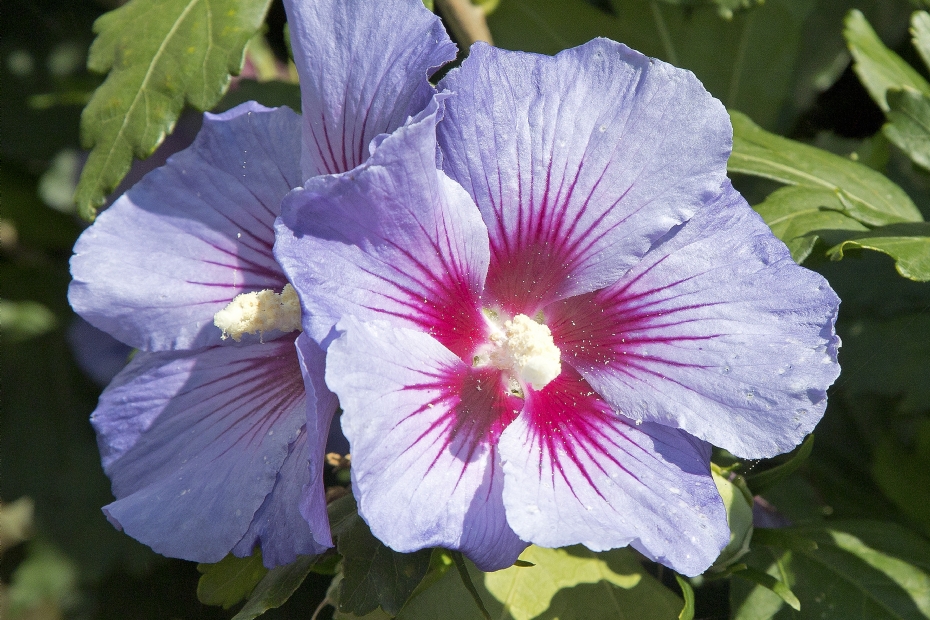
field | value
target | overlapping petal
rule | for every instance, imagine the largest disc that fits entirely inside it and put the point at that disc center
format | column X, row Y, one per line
column 578, row 162
column 194, row 442
column 576, row 472
column 181, row 244
column 425, row 470
column 394, row 239
column 278, row 526
column 716, row 331
column 363, row 70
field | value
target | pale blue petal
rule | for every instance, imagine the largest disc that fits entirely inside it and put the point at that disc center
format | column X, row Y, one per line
column 179, row 246
column 194, row 442
column 363, row 70
column 716, row 331
column 578, row 162
column 422, row 430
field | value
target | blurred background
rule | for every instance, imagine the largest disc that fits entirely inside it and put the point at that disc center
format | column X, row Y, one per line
column 784, row 63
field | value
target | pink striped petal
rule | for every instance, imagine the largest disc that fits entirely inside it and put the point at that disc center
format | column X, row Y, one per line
column 194, row 443
column 363, row 70
column 576, row 472
column 578, row 162
column 183, row 242
column 394, row 239
column 717, row 331
column 423, row 426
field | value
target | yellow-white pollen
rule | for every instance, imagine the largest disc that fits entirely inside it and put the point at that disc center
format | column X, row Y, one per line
column 260, row 312
column 526, row 348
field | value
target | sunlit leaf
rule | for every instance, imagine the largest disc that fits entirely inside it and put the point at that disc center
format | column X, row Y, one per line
column 738, row 502
column 567, row 584
column 878, row 67
column 860, row 569
column 796, row 212
column 776, row 586
column 159, row 55
column 687, row 612
column 908, row 124
column 907, row 244
column 920, row 33
column 230, row 580
column 866, row 195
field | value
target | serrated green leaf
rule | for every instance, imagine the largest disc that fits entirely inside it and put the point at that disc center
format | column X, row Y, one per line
column 878, row 67
column 908, row 124
column 747, row 62
column 796, row 212
column 568, row 584
column 230, row 580
column 770, row 477
column 866, row 195
column 920, row 34
column 908, row 244
column 860, row 569
column 372, row 574
column 904, row 475
column 159, row 55
column 276, row 587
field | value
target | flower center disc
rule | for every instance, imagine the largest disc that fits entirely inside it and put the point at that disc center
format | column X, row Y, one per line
column 526, row 349
column 260, row 312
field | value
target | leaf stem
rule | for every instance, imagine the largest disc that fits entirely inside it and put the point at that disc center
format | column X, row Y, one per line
column 466, row 579
column 666, row 38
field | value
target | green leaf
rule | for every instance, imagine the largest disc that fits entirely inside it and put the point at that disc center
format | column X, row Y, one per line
column 908, row 124
column 796, row 212
column 276, row 587
column 372, row 574
column 230, row 580
column 770, row 477
column 904, row 475
column 159, row 55
column 738, row 502
column 687, row 612
column 889, row 358
column 567, row 584
column 860, row 569
column 45, row 583
column 907, row 244
column 878, row 67
column 747, row 62
column 920, row 33
column 23, row 320
column 770, row 583
column 866, row 195
column 783, row 539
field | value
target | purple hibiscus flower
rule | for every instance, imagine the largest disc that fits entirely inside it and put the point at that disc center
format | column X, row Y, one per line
column 213, row 436
column 540, row 341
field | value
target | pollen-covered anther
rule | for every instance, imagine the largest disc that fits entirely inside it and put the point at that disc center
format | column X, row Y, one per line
column 526, row 348
column 260, row 312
